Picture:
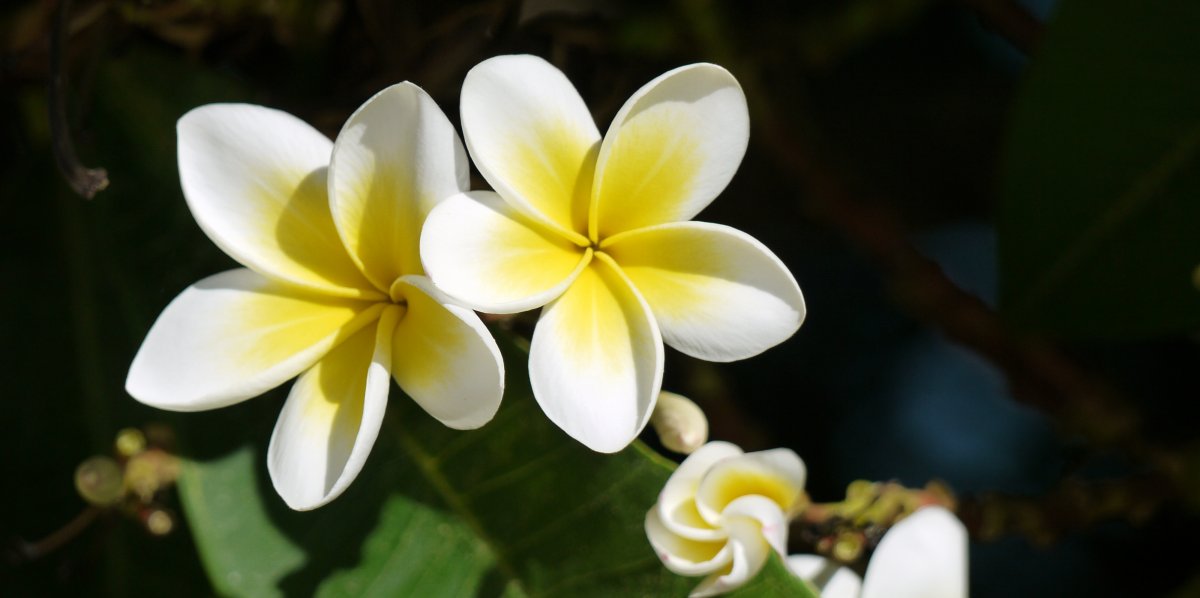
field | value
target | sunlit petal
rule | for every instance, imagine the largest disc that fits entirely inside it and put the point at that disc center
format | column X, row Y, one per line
column 596, row 359
column 677, row 504
column 683, row 555
column 235, row 335
column 532, row 138
column 488, row 257
column 923, row 556
column 716, row 292
column 445, row 358
column 776, row 474
column 829, row 578
column 255, row 180
column 671, row 149
column 395, row 158
column 331, row 419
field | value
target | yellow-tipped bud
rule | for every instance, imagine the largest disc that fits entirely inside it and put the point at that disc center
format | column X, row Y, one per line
column 130, row 441
column 680, row 424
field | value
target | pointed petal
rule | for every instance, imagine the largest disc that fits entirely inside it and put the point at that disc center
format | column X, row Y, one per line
column 236, row 335
column 395, row 158
column 445, row 358
column 331, row 419
column 683, row 555
column 532, row 138
column 488, row 257
column 923, row 556
column 716, row 292
column 671, row 149
column 749, row 545
column 777, row 474
column 829, row 578
column 677, row 502
column 596, row 359
column 254, row 179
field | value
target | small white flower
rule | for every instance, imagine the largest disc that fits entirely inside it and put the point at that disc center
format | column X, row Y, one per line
column 332, row 288
column 922, row 556
column 598, row 231
column 723, row 511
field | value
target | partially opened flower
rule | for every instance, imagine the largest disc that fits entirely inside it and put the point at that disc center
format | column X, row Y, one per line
column 922, row 556
column 723, row 511
column 597, row 231
column 332, row 288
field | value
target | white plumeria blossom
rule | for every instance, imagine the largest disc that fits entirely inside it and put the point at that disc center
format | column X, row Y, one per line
column 922, row 556
column 332, row 289
column 597, row 230
column 723, row 511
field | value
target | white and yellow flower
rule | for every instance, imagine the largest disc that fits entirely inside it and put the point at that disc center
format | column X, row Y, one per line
column 332, row 289
column 596, row 230
column 723, row 511
column 922, row 556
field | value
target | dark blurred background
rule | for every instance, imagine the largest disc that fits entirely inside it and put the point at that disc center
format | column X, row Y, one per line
column 897, row 154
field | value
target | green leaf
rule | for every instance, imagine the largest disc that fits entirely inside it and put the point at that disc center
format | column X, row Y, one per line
column 516, row 509
column 1101, row 185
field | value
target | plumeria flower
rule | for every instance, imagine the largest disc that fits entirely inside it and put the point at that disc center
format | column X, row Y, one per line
column 723, row 511
column 922, row 556
column 332, row 289
column 598, row 232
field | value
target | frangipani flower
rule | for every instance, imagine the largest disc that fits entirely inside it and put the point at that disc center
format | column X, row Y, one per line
column 723, row 511
column 597, row 231
column 922, row 556
column 332, row 288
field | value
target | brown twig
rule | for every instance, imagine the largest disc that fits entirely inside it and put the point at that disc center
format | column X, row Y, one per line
column 87, row 182
column 32, row 551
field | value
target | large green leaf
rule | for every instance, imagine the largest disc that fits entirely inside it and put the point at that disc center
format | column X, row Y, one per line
column 1101, row 185
column 515, row 509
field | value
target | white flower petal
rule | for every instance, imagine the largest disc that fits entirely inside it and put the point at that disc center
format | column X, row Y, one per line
column 683, row 555
column 596, row 359
column 677, row 502
column 671, row 149
column 332, row 418
column 923, row 556
column 829, row 578
column 395, row 158
column 445, row 358
column 236, row 335
column 716, row 292
column 254, row 179
column 750, row 553
column 488, row 257
column 772, row 520
column 777, row 474
column 532, row 138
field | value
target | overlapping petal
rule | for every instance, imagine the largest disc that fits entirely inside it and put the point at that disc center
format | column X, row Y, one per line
column 445, row 358
column 828, row 577
column 746, row 523
column 717, row 293
column 596, row 359
column 235, row 335
column 487, row 256
column 671, row 149
column 686, row 556
column 255, row 180
column 922, row 556
column 777, row 475
column 331, row 418
column 395, row 158
column 533, row 139
column 677, row 501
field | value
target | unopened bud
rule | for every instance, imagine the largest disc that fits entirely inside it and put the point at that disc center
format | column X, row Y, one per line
column 159, row 522
column 848, row 546
column 680, row 424
column 99, row 481
column 130, row 441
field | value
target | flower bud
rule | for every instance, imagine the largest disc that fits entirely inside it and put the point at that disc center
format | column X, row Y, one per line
column 680, row 424
column 99, row 481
